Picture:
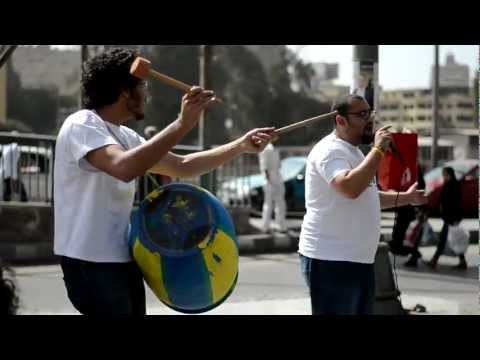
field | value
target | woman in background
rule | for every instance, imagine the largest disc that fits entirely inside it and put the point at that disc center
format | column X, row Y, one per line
column 451, row 212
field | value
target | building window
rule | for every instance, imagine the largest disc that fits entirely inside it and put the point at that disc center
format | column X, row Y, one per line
column 464, row 118
column 463, row 105
column 421, row 118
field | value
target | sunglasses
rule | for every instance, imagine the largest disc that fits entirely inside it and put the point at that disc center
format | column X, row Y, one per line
column 364, row 114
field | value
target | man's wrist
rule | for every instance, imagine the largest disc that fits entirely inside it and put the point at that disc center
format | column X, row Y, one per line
column 183, row 124
column 378, row 150
column 408, row 199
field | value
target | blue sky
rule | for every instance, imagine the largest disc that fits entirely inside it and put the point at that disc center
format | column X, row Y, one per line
column 400, row 66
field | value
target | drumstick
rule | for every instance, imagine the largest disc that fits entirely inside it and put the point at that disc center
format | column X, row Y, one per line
column 142, row 68
column 299, row 124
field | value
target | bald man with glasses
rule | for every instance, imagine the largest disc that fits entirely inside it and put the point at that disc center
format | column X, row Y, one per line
column 341, row 228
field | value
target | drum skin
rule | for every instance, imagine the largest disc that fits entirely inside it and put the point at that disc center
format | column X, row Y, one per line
column 184, row 241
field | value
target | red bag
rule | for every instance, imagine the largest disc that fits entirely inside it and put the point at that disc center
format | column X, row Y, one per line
column 399, row 171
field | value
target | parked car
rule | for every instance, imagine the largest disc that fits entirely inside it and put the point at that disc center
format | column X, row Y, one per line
column 35, row 172
column 466, row 172
column 249, row 189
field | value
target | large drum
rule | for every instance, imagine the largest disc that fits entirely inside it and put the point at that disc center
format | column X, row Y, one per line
column 184, row 241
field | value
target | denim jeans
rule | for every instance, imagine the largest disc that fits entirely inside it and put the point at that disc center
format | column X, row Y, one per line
column 104, row 289
column 339, row 287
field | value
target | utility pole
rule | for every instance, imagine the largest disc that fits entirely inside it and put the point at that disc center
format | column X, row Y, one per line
column 207, row 181
column 365, row 77
column 84, row 58
column 476, row 113
column 365, row 73
column 6, row 52
column 365, row 83
column 435, row 118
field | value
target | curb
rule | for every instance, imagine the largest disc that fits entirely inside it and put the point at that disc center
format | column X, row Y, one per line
column 265, row 243
column 42, row 252
column 28, row 254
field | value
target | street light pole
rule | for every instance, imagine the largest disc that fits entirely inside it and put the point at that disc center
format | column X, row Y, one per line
column 205, row 52
column 365, row 77
column 84, row 58
column 435, row 118
column 206, row 181
column 365, row 73
column 365, row 83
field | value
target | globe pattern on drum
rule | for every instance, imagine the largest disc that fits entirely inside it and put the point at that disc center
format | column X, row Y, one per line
column 184, row 241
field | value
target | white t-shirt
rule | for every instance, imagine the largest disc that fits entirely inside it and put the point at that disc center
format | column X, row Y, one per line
column 337, row 228
column 92, row 208
column 269, row 160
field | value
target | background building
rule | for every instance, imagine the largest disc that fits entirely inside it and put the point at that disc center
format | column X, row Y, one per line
column 412, row 109
column 43, row 67
column 452, row 74
column 322, row 84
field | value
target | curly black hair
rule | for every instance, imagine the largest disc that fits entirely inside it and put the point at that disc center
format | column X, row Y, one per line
column 8, row 297
column 106, row 75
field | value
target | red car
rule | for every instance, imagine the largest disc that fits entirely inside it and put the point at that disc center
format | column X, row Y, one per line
column 466, row 172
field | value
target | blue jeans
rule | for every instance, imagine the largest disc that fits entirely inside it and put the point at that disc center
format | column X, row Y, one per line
column 104, row 289
column 339, row 287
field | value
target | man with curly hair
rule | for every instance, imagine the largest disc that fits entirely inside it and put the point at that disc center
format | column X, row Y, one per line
column 98, row 159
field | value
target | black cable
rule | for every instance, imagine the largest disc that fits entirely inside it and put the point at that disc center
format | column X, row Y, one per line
column 394, row 256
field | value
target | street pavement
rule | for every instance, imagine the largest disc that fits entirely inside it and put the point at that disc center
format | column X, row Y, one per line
column 271, row 284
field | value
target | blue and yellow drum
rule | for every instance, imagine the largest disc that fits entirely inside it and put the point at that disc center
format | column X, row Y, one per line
column 184, row 241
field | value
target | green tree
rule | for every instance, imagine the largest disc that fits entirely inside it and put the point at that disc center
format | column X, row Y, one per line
column 253, row 96
column 287, row 106
column 35, row 108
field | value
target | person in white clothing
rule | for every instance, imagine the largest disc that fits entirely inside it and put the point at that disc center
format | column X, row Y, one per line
column 273, row 190
column 9, row 172
column 96, row 164
column 341, row 228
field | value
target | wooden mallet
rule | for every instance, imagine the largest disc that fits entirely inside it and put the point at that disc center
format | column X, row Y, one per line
column 142, row 69
column 303, row 123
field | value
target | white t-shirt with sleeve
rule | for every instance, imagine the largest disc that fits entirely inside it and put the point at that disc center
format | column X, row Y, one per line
column 336, row 228
column 269, row 160
column 9, row 161
column 92, row 208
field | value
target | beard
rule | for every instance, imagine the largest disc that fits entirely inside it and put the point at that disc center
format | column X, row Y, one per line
column 139, row 115
column 367, row 137
column 135, row 108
